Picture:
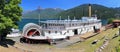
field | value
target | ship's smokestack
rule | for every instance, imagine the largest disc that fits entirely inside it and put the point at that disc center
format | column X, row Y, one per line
column 89, row 10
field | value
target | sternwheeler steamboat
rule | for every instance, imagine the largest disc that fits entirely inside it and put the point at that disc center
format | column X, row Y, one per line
column 52, row 30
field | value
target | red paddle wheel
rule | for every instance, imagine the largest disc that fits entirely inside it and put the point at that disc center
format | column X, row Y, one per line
column 30, row 30
column 33, row 32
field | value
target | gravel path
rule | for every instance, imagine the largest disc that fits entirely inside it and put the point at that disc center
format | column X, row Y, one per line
column 68, row 42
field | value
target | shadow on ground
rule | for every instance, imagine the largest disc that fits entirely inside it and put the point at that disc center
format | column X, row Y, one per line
column 7, row 42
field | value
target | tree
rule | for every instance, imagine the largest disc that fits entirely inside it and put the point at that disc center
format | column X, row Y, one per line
column 110, row 20
column 10, row 14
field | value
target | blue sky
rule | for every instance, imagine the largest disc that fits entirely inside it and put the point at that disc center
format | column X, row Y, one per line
column 65, row 4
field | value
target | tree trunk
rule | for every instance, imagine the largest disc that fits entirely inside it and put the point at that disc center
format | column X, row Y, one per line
column 3, row 36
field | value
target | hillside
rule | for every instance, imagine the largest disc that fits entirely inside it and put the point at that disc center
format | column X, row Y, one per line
column 99, row 10
column 78, row 12
column 44, row 13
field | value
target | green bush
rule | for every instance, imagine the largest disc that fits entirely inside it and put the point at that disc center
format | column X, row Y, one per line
column 110, row 20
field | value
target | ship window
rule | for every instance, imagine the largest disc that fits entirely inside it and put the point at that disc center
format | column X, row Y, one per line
column 68, row 31
column 72, row 24
column 76, row 24
column 49, row 32
column 60, row 32
column 55, row 31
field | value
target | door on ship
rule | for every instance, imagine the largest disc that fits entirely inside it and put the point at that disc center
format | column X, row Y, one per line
column 94, row 28
column 75, row 32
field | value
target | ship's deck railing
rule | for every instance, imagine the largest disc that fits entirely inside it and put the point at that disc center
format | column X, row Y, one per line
column 69, row 21
column 54, row 29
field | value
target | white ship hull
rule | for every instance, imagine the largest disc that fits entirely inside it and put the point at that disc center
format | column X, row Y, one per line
column 60, row 29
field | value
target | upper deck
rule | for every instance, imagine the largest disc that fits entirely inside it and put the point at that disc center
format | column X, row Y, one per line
column 64, row 24
column 67, row 21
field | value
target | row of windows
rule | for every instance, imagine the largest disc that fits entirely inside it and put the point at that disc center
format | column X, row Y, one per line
column 50, row 32
column 57, row 32
column 80, row 24
column 71, row 24
column 56, row 24
column 76, row 24
column 68, row 30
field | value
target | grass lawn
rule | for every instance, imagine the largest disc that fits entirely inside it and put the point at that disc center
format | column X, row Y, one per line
column 88, row 47
column 112, row 44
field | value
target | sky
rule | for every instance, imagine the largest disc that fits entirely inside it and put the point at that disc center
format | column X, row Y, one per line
column 64, row 4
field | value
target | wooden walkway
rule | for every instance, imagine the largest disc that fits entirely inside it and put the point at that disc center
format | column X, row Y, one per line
column 75, row 39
